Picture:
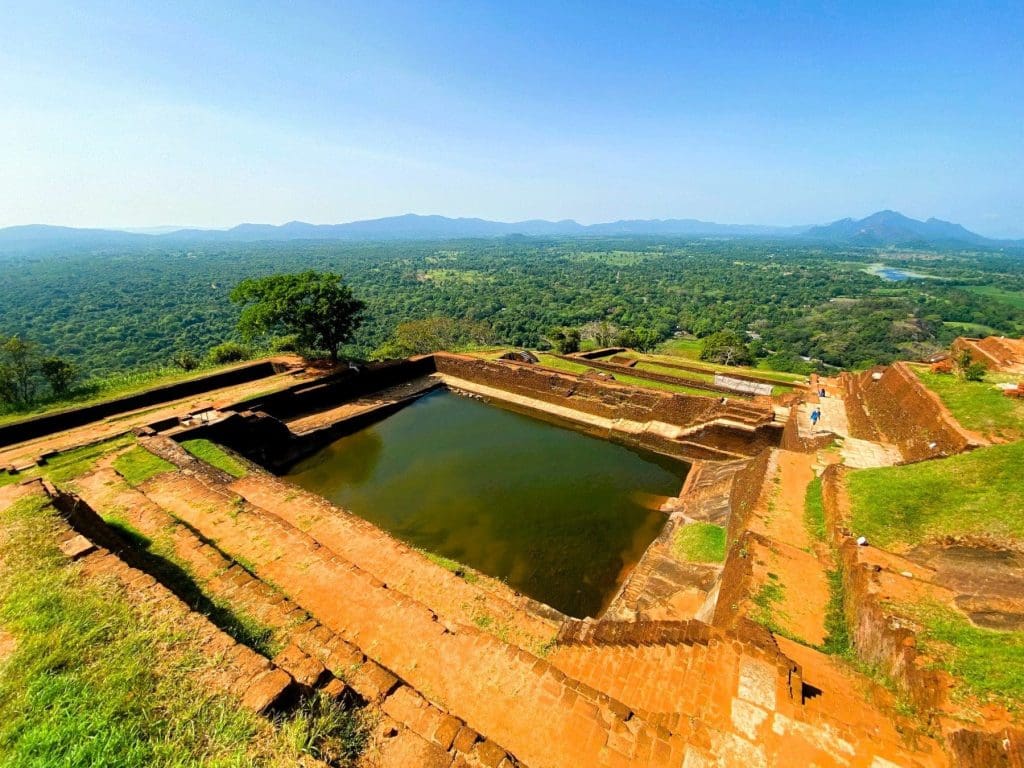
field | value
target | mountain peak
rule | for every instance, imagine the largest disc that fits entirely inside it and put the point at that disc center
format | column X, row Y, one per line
column 889, row 227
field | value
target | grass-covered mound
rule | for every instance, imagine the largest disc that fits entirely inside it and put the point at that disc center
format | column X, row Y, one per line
column 978, row 405
column 976, row 493
column 986, row 663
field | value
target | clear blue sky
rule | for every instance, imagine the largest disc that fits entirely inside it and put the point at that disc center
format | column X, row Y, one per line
column 209, row 114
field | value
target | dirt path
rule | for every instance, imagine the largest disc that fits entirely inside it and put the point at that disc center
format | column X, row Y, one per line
column 790, row 576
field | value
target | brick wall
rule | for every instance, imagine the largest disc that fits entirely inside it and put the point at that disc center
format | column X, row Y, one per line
column 898, row 409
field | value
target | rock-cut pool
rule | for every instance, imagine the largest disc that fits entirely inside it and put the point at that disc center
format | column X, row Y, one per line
column 557, row 514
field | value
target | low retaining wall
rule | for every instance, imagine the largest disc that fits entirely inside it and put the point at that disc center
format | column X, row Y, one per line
column 599, row 353
column 38, row 426
column 663, row 378
column 614, row 402
column 597, row 398
column 732, row 375
column 734, row 581
column 329, row 391
column 897, row 408
column 746, row 489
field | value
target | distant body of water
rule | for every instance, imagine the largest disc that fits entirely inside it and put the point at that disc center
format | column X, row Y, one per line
column 559, row 515
column 895, row 274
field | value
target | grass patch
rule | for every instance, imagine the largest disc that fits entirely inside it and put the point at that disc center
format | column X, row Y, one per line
column 977, row 405
column 837, row 633
column 689, row 350
column 92, row 680
column 68, row 465
column 462, row 571
column 1012, row 298
column 986, row 662
column 700, row 543
column 977, row 493
column 814, row 510
column 138, row 465
column 766, row 604
column 215, row 456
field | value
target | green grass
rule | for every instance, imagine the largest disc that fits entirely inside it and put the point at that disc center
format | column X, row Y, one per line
column 138, row 465
column 689, row 351
column 94, row 680
column 837, row 633
column 688, row 348
column 766, row 605
column 978, row 493
column 700, row 543
column 985, row 662
column 1013, row 298
column 65, row 467
column 462, row 571
column 215, row 456
column 645, row 365
column 971, row 329
column 977, row 405
column 814, row 510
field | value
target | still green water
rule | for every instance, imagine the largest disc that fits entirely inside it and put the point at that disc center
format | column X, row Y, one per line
column 559, row 515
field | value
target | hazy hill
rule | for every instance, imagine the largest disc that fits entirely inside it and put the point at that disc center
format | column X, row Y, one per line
column 879, row 229
column 892, row 228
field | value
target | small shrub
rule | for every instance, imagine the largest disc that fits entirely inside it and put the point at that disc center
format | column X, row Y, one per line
column 228, row 352
column 284, row 344
column 975, row 372
column 186, row 361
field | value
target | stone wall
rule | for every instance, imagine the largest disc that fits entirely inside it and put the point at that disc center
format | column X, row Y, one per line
column 896, row 408
column 597, row 398
column 734, row 581
column 746, row 489
column 38, row 426
column 609, row 400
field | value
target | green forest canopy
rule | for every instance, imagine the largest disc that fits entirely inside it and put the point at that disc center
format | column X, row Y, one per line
column 115, row 310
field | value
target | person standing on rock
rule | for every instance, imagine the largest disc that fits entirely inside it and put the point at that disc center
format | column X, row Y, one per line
column 815, row 416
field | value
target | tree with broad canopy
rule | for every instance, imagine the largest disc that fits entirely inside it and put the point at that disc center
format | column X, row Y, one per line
column 317, row 307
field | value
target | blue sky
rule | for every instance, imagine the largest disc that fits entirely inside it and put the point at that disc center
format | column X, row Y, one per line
column 138, row 114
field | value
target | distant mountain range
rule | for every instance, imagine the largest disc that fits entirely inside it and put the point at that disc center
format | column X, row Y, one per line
column 880, row 229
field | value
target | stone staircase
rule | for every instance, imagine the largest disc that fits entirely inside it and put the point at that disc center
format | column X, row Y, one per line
column 669, row 672
column 492, row 686
column 259, row 683
column 312, row 656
